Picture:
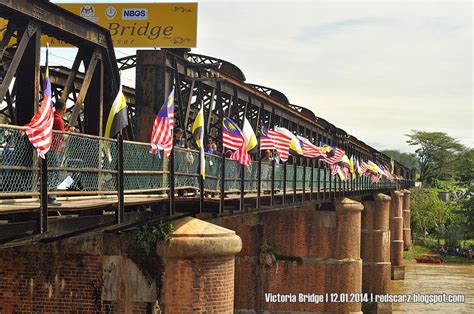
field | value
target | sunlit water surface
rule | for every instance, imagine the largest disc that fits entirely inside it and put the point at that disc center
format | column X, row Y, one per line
column 436, row 279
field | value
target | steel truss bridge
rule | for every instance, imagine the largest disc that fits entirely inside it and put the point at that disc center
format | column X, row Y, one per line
column 110, row 185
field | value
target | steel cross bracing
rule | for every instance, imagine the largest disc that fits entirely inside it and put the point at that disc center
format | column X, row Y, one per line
column 217, row 85
column 20, row 55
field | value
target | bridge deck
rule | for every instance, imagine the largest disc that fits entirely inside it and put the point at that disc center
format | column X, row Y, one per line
column 80, row 203
column 88, row 177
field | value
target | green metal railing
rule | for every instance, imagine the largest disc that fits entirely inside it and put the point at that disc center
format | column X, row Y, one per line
column 79, row 164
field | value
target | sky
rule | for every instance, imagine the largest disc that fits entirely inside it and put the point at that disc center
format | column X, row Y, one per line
column 376, row 69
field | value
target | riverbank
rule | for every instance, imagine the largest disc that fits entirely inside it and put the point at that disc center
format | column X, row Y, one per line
column 418, row 250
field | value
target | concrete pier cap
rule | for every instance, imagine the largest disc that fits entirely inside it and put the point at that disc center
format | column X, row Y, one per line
column 380, row 197
column 348, row 205
column 199, row 267
column 397, row 193
column 193, row 237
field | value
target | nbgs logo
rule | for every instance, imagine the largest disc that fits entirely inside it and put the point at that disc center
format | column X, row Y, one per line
column 134, row 14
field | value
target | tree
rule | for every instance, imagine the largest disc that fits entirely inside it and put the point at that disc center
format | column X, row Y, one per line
column 429, row 214
column 408, row 160
column 465, row 166
column 439, row 154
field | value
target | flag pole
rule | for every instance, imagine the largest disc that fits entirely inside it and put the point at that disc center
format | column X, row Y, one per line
column 171, row 171
column 119, row 216
column 201, row 155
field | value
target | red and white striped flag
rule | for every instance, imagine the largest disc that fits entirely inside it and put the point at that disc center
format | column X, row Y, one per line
column 162, row 134
column 332, row 154
column 265, row 141
column 281, row 143
column 309, row 149
column 40, row 129
column 364, row 169
column 233, row 138
column 374, row 178
column 242, row 156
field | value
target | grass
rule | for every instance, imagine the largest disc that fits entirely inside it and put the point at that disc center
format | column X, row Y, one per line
column 417, row 250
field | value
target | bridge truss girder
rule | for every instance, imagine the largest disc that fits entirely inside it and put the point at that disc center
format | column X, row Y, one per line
column 27, row 21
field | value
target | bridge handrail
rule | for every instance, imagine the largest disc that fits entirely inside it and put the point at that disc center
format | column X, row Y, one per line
column 86, row 164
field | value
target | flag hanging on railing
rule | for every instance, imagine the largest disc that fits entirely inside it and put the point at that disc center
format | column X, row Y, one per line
column 363, row 168
column 331, row 154
column 265, row 141
column 374, row 178
column 295, row 146
column 281, row 142
column 357, row 167
column 117, row 119
column 309, row 149
column 249, row 136
column 198, row 132
column 40, row 129
column 233, row 138
column 162, row 134
column 231, row 135
column 118, row 115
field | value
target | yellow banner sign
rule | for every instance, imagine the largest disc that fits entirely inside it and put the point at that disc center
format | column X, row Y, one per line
column 165, row 25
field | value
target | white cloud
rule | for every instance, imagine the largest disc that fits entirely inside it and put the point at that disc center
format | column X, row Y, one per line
column 377, row 69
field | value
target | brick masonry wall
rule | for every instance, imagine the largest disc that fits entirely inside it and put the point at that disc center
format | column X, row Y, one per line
column 212, row 285
column 305, row 241
column 66, row 276
column 44, row 282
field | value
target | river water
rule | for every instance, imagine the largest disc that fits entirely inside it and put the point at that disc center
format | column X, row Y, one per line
column 436, row 279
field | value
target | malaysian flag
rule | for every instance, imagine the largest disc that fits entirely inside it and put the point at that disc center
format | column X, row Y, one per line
column 242, row 157
column 363, row 168
column 265, row 141
column 332, row 154
column 309, row 149
column 233, row 138
column 40, row 129
column 282, row 143
column 162, row 134
column 374, row 178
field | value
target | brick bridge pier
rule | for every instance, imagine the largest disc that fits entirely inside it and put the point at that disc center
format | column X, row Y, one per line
column 237, row 263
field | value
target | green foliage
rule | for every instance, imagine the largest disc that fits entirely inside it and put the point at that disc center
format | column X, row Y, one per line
column 439, row 155
column 466, row 204
column 465, row 167
column 408, row 160
column 444, row 185
column 449, row 222
column 268, row 248
column 429, row 214
column 146, row 237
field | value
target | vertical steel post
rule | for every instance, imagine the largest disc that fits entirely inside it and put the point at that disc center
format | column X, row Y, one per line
column 283, row 200
column 43, row 222
column 295, row 169
column 259, row 175
column 272, row 192
column 119, row 215
column 312, row 179
column 222, row 181
column 201, row 179
column 304, row 180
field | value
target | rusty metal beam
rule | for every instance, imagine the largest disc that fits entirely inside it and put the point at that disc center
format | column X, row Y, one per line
column 84, row 88
column 27, row 34
column 56, row 21
column 72, row 75
column 6, row 37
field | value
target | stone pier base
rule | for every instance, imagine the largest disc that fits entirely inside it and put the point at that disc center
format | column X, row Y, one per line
column 377, row 308
column 398, row 272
